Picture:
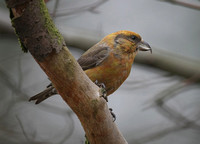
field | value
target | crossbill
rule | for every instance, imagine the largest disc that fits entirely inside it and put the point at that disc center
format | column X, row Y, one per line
column 108, row 62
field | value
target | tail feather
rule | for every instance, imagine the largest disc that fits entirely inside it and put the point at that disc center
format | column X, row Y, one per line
column 48, row 92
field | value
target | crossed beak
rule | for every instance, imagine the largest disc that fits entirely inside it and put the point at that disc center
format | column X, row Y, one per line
column 144, row 46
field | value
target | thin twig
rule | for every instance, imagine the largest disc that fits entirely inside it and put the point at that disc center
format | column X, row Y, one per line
column 160, row 103
column 157, row 135
column 23, row 130
column 70, row 129
column 90, row 7
column 164, row 109
column 61, row 112
column 10, row 83
column 176, row 88
column 133, row 84
column 177, row 117
column 55, row 9
column 181, row 3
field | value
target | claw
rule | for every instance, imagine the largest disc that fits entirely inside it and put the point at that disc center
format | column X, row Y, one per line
column 112, row 113
column 104, row 95
column 102, row 90
column 96, row 82
column 101, row 85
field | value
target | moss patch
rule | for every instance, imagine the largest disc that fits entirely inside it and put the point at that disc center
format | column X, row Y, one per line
column 95, row 107
column 49, row 25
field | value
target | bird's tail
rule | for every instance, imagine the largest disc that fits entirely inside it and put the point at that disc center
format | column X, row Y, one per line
column 49, row 91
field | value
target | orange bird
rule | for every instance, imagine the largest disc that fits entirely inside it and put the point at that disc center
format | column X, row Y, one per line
column 109, row 61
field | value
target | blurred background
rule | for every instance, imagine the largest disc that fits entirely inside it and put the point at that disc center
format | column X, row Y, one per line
column 158, row 104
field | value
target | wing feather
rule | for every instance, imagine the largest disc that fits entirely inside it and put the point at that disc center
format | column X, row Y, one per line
column 94, row 56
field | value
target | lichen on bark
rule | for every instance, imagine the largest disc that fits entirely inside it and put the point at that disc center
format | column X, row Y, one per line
column 36, row 30
column 52, row 30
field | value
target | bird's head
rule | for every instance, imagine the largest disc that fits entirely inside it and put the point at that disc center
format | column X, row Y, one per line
column 129, row 42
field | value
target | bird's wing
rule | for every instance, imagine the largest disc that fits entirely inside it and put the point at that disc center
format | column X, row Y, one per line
column 94, row 56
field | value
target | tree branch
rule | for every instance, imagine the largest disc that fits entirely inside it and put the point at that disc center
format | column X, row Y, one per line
column 81, row 9
column 38, row 34
column 184, row 4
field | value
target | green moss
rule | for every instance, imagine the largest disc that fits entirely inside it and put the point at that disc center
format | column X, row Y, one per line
column 52, row 30
column 94, row 102
column 95, row 107
column 24, row 49
column 86, row 140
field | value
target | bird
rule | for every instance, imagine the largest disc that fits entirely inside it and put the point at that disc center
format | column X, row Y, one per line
column 108, row 63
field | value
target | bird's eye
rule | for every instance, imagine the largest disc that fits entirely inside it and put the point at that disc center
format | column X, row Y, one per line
column 133, row 37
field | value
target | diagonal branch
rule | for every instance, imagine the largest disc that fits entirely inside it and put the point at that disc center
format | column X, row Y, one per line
column 39, row 36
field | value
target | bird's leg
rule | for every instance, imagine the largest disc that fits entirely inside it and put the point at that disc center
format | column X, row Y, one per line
column 104, row 95
column 113, row 115
column 102, row 90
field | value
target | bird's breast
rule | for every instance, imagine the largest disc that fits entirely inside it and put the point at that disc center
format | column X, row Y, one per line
column 113, row 71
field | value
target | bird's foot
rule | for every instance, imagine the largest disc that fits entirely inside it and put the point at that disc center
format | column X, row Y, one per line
column 102, row 90
column 104, row 94
column 112, row 113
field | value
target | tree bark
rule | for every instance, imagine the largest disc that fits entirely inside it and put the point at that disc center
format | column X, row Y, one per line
column 38, row 35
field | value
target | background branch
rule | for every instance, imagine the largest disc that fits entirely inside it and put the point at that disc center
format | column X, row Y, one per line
column 170, row 62
column 181, row 3
column 89, row 7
